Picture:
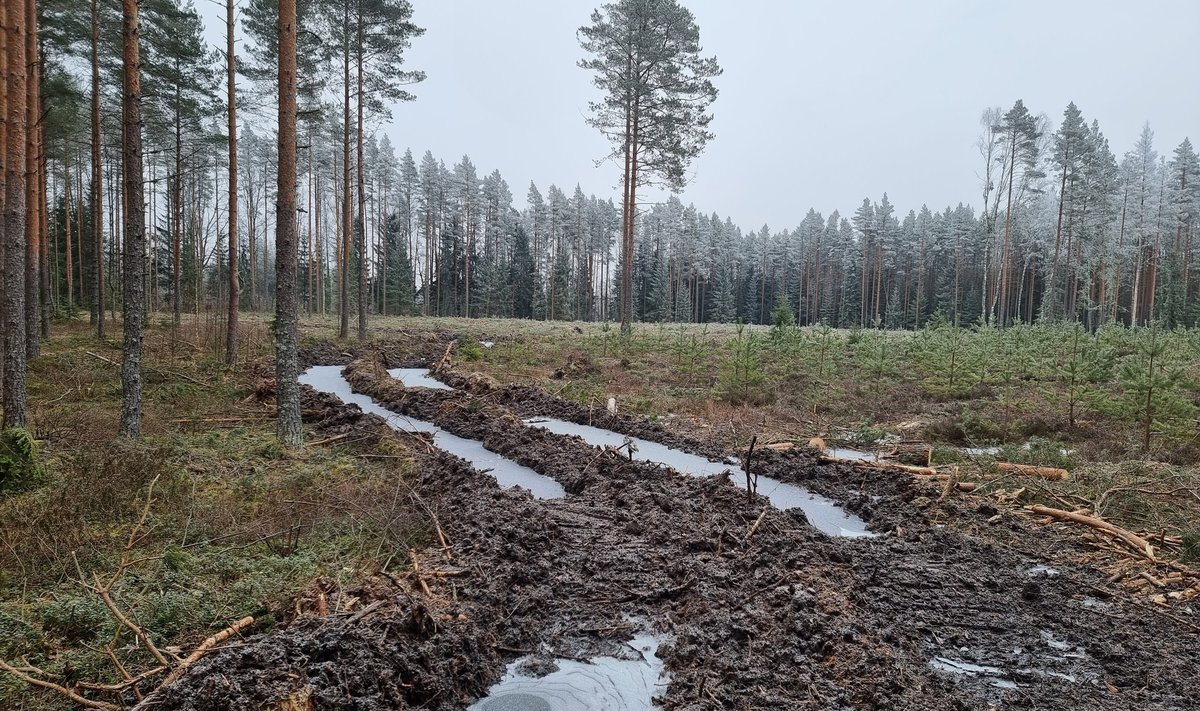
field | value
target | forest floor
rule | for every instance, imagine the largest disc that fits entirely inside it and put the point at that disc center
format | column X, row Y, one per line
column 384, row 573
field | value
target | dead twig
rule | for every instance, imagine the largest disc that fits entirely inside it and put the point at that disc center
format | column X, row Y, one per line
column 34, row 681
column 329, row 440
column 757, row 522
column 165, row 373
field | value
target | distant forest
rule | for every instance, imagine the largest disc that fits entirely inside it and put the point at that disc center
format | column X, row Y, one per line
column 1065, row 228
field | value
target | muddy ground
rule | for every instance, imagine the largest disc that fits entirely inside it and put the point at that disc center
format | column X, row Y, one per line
column 785, row 619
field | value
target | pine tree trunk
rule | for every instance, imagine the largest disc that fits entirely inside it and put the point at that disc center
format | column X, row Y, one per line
column 1004, row 254
column 627, row 221
column 286, row 312
column 133, row 277
column 13, row 273
column 32, row 223
column 43, row 216
column 70, row 264
column 347, row 223
column 4, row 30
column 177, row 221
column 97, row 313
column 1062, row 197
column 362, row 199
column 311, row 255
column 231, row 321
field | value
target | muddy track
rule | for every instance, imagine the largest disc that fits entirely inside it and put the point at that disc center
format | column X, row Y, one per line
column 789, row 618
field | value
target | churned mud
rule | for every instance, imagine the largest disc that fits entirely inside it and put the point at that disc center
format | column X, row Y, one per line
column 954, row 604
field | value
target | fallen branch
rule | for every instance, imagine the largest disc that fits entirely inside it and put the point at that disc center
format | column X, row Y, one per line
column 1051, row 473
column 889, row 466
column 152, row 369
column 445, row 356
column 757, row 522
column 1141, row 545
column 206, row 646
column 34, row 681
column 329, row 440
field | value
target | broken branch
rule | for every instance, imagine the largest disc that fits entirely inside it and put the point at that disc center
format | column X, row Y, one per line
column 1135, row 541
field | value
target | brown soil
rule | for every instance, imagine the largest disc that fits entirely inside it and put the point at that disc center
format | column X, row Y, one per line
column 787, row 619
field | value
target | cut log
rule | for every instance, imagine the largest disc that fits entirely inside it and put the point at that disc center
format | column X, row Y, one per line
column 1141, row 545
column 891, row 466
column 1052, row 473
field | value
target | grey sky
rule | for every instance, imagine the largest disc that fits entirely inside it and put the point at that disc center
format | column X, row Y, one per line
column 821, row 104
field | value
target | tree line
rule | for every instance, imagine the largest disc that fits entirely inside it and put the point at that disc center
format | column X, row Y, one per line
column 1064, row 231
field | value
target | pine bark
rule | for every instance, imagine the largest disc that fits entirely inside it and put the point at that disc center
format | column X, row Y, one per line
column 32, row 223
column 286, row 312
column 133, row 278
column 231, row 322
column 4, row 30
column 347, row 221
column 13, row 273
column 362, row 199
column 70, row 264
column 97, row 313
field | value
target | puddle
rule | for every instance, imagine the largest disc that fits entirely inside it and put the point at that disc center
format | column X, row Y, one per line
column 599, row 684
column 851, row 454
column 507, row 473
column 981, row 451
column 822, row 513
column 957, row 666
column 417, row 378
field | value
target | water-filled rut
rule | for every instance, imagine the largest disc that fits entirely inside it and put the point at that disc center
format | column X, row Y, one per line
column 821, row 512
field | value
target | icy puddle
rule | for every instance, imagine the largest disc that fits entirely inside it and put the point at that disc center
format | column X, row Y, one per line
column 822, row 513
column 417, row 378
column 600, row 684
column 328, row 379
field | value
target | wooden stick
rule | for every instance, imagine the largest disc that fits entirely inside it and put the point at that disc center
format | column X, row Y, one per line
column 329, row 440
column 130, row 681
column 750, row 488
column 1135, row 541
column 417, row 574
column 757, row 522
column 446, row 356
column 206, row 646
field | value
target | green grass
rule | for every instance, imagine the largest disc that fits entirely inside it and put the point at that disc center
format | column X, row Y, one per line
column 234, row 527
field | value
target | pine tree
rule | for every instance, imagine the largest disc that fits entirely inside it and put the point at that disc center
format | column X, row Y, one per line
column 14, row 253
column 1019, row 134
column 134, row 274
column 646, row 57
column 287, row 366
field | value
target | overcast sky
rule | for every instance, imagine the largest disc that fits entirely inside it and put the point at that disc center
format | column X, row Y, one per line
column 821, row 104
